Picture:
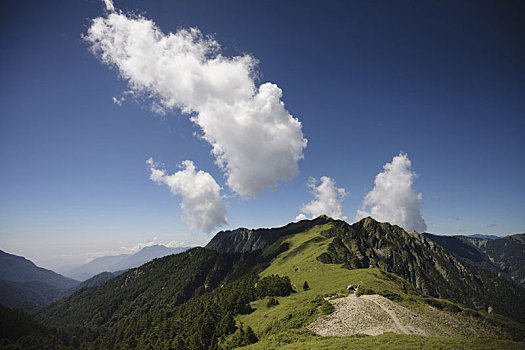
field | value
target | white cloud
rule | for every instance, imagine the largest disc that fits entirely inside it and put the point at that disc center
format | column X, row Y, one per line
column 152, row 242
column 141, row 245
column 119, row 100
column 254, row 139
column 175, row 244
column 393, row 199
column 109, row 5
column 202, row 206
column 328, row 200
column 127, row 250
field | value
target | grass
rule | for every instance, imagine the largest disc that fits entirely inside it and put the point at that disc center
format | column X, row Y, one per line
column 325, row 280
column 297, row 340
column 282, row 325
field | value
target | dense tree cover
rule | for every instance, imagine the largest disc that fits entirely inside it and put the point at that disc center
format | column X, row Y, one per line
column 158, row 285
column 184, row 301
column 19, row 330
column 203, row 322
column 274, row 286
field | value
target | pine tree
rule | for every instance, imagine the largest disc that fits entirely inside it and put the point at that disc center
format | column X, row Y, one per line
column 306, row 286
column 250, row 336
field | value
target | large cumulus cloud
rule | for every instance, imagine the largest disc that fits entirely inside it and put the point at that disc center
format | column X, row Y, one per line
column 254, row 139
column 328, row 200
column 393, row 199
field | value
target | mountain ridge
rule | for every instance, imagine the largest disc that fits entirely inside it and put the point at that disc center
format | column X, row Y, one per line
column 113, row 263
column 25, row 285
column 244, row 240
column 206, row 299
column 16, row 268
column 504, row 256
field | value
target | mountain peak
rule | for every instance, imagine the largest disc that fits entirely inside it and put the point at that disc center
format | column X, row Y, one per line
column 244, row 240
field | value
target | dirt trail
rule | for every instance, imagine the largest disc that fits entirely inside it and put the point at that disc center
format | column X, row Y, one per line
column 390, row 312
column 369, row 314
column 374, row 314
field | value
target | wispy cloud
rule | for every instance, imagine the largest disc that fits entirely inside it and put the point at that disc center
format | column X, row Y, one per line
column 393, row 199
column 109, row 5
column 202, row 206
column 130, row 250
column 254, row 139
column 328, row 200
column 152, row 242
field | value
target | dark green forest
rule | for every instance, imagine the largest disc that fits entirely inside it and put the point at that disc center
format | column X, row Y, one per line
column 183, row 301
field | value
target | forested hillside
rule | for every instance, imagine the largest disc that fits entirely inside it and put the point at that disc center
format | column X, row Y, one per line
column 504, row 256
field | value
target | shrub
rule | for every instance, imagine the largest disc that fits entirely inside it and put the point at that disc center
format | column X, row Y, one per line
column 272, row 302
column 327, row 308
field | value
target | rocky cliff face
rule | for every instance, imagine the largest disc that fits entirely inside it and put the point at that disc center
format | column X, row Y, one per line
column 244, row 240
column 422, row 262
column 504, row 256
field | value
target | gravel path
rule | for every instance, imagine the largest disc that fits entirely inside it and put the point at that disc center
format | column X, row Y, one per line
column 390, row 312
column 368, row 314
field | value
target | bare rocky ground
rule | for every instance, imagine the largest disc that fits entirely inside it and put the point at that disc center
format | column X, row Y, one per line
column 374, row 315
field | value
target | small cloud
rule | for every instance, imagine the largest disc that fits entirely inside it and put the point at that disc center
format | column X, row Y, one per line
column 202, row 206
column 301, row 217
column 109, row 5
column 462, row 230
column 328, row 200
column 131, row 250
column 118, row 101
column 123, row 97
column 175, row 244
column 140, row 246
column 393, row 199
column 491, row 225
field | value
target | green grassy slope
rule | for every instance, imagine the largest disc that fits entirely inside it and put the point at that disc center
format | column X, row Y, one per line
column 283, row 325
column 425, row 264
column 388, row 341
column 300, row 264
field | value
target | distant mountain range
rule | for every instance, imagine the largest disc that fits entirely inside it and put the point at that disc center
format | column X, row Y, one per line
column 504, row 256
column 24, row 285
column 484, row 236
column 121, row 262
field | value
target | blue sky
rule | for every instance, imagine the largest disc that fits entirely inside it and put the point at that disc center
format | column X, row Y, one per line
column 442, row 82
